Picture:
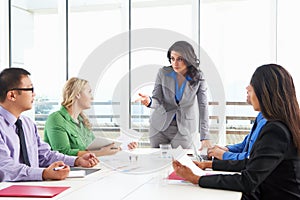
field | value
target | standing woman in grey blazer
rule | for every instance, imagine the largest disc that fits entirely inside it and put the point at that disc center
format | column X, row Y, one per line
column 179, row 101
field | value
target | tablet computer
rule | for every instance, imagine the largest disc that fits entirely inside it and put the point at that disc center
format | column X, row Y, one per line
column 100, row 142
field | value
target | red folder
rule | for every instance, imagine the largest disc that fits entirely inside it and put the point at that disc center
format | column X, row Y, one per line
column 173, row 176
column 31, row 191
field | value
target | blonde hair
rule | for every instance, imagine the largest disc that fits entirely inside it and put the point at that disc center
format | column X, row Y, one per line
column 72, row 87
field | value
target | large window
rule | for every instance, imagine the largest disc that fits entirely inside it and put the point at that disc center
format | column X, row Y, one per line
column 237, row 41
column 156, row 25
column 4, row 34
column 37, row 45
column 288, row 40
column 95, row 55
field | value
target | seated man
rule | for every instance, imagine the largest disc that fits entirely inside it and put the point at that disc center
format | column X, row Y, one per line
column 24, row 156
column 242, row 150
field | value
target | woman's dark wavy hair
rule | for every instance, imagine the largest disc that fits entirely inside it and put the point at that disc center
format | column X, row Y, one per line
column 275, row 91
column 187, row 52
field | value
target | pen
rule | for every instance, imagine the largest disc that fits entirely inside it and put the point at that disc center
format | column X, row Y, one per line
column 58, row 168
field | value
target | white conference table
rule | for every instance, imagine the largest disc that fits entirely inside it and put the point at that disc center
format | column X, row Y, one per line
column 114, row 183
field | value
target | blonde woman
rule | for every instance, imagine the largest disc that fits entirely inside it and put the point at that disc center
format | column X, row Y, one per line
column 68, row 130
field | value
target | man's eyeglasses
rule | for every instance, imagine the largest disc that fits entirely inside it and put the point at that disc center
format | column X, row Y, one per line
column 22, row 89
column 179, row 59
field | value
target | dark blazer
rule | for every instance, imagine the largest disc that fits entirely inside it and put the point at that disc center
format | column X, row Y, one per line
column 271, row 172
column 187, row 110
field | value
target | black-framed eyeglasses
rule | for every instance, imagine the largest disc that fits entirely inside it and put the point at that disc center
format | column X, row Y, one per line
column 22, row 89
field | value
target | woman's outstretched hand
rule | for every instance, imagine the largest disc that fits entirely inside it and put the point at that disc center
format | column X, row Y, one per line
column 144, row 99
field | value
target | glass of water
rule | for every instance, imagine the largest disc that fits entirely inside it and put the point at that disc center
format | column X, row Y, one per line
column 165, row 148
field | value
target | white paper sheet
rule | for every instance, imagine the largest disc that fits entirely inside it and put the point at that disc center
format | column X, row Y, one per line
column 185, row 160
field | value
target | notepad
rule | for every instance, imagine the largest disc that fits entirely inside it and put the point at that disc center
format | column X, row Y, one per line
column 32, row 191
column 77, row 174
column 86, row 170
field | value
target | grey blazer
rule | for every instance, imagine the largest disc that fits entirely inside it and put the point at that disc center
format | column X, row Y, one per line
column 165, row 107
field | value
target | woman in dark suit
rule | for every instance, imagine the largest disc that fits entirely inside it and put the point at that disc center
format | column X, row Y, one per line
column 273, row 169
column 178, row 97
